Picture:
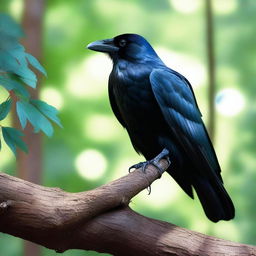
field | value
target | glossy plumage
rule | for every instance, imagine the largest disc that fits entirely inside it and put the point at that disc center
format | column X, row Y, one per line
column 158, row 108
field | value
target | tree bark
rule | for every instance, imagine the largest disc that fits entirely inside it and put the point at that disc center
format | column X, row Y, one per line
column 100, row 220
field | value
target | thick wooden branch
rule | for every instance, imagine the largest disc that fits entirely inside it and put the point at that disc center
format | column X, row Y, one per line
column 100, row 220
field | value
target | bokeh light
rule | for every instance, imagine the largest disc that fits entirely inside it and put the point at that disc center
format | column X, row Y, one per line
column 227, row 229
column 101, row 127
column 188, row 66
column 225, row 8
column 229, row 102
column 91, row 164
column 16, row 7
column 229, row 75
column 185, row 6
column 52, row 96
column 6, row 156
column 163, row 192
column 89, row 78
column 54, row 19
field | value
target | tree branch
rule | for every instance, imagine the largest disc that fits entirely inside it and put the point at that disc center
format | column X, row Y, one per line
column 100, row 220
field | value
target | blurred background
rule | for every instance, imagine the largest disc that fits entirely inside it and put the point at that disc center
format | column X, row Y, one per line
column 93, row 149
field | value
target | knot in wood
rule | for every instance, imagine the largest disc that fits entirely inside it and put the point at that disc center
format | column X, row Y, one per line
column 124, row 201
column 4, row 206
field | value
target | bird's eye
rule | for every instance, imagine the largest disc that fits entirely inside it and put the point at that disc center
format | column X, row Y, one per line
column 122, row 43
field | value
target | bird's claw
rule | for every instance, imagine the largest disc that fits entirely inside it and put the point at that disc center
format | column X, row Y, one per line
column 154, row 162
column 142, row 165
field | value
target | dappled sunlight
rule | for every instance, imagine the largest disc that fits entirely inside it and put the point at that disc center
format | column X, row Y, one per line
column 229, row 102
column 164, row 192
column 91, row 164
column 228, row 75
column 89, row 78
column 16, row 7
column 226, row 229
column 8, row 120
column 225, row 8
column 102, row 128
column 3, row 94
column 224, row 143
column 200, row 223
column 111, row 7
column 6, row 157
column 186, row 6
column 188, row 66
column 249, row 163
column 52, row 96
column 122, row 166
column 63, row 25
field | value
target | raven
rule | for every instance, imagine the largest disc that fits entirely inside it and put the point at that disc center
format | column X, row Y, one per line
column 157, row 106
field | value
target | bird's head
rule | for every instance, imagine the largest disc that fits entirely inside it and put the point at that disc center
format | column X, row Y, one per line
column 131, row 47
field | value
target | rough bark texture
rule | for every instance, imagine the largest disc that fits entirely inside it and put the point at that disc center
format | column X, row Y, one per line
column 100, row 220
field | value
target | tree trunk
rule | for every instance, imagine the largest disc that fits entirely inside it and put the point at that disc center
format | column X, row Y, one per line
column 29, row 166
column 210, row 67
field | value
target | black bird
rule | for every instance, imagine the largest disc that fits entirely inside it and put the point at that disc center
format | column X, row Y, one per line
column 158, row 108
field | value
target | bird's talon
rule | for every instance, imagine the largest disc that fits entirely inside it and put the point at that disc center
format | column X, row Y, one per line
column 137, row 166
column 144, row 166
column 168, row 160
column 158, row 167
column 149, row 190
column 130, row 169
column 154, row 162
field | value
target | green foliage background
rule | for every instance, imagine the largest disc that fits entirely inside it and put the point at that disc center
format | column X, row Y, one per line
column 15, row 76
column 77, row 85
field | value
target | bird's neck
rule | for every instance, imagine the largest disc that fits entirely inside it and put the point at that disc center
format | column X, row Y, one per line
column 131, row 70
column 122, row 66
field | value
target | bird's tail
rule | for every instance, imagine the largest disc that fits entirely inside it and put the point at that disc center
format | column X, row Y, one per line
column 215, row 200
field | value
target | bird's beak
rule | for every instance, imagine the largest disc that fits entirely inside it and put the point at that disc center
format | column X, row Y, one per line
column 106, row 45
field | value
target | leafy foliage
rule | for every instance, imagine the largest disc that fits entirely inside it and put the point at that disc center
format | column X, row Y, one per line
column 37, row 112
column 15, row 75
column 5, row 108
column 13, row 140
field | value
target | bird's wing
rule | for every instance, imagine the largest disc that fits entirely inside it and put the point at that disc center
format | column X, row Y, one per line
column 176, row 100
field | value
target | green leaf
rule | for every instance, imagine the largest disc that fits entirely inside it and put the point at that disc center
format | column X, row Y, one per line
column 8, row 140
column 35, row 63
column 9, row 27
column 18, row 52
column 10, row 84
column 13, row 57
column 7, row 41
column 21, row 114
column 48, row 110
column 27, row 76
column 27, row 111
column 7, row 62
column 5, row 108
column 15, row 64
column 12, row 139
